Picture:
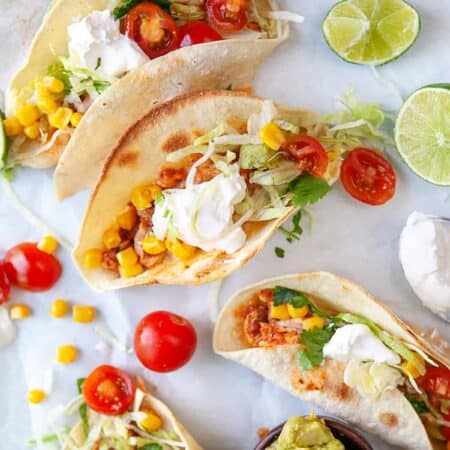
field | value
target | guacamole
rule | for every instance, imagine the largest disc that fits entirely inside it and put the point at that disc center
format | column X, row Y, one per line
column 306, row 433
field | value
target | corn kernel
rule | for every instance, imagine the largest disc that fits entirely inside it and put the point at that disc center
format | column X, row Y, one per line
column 76, row 119
column 272, row 135
column 127, row 257
column 297, row 313
column 60, row 118
column 313, row 322
column 53, row 84
column 18, row 312
column 83, row 313
column 41, row 90
column 131, row 271
column 128, row 218
column 12, row 126
column 28, row 114
column 413, row 369
column 60, row 308
column 48, row 244
column 153, row 246
column 143, row 196
column 36, row 396
column 46, row 104
column 111, row 238
column 152, row 422
column 67, row 354
column 33, row 131
column 180, row 249
column 93, row 258
column 279, row 312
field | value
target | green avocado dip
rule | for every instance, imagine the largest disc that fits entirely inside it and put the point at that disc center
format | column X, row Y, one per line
column 306, row 433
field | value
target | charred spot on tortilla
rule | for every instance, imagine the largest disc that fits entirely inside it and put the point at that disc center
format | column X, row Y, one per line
column 179, row 139
column 314, row 379
column 128, row 158
column 342, row 391
column 389, row 419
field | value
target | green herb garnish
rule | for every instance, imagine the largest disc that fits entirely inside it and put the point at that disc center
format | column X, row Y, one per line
column 313, row 341
column 82, row 410
column 125, row 5
column 279, row 252
column 296, row 231
column 307, row 189
column 419, row 405
column 151, row 447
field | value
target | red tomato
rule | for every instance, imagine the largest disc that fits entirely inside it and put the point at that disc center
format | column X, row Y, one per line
column 31, row 268
column 108, row 390
column 197, row 32
column 446, row 430
column 227, row 15
column 309, row 154
column 152, row 29
column 5, row 285
column 436, row 381
column 164, row 341
column 368, row 176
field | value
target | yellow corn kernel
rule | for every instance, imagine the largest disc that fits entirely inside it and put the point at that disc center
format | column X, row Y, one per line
column 297, row 313
column 18, row 312
column 143, row 196
column 153, row 246
column 53, row 84
column 67, row 354
column 28, row 114
column 272, row 135
column 83, row 313
column 41, row 90
column 127, row 257
column 12, row 126
column 131, row 271
column 152, row 422
column 60, row 308
column 128, row 218
column 180, row 249
column 48, row 244
column 46, row 104
column 36, row 396
column 279, row 312
column 60, row 118
column 313, row 322
column 93, row 258
column 111, row 238
column 33, row 131
column 76, row 119
column 413, row 369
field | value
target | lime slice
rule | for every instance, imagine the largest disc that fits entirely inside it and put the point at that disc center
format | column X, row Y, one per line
column 422, row 133
column 3, row 143
column 371, row 31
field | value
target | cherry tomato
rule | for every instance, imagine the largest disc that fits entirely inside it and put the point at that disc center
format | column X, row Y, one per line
column 5, row 285
column 152, row 29
column 309, row 154
column 109, row 390
column 164, row 341
column 197, row 32
column 368, row 176
column 31, row 268
column 227, row 15
column 436, row 381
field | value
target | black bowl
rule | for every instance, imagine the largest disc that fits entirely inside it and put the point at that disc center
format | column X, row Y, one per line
column 351, row 439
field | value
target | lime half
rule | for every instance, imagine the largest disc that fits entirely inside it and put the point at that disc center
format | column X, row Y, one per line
column 371, row 31
column 422, row 133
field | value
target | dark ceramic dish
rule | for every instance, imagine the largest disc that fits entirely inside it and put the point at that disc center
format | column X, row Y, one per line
column 351, row 439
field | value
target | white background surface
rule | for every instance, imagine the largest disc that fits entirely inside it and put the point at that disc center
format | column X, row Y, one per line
column 221, row 403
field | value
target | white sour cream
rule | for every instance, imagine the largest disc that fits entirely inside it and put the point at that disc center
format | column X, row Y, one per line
column 203, row 214
column 96, row 43
column 425, row 257
column 357, row 342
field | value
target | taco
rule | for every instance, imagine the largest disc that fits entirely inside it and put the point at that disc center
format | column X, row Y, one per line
column 329, row 342
column 68, row 92
column 198, row 185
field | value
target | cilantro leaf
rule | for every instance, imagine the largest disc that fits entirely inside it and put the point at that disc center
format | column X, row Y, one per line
column 307, row 189
column 296, row 231
column 419, row 405
column 313, row 341
column 151, row 447
column 125, row 5
column 279, row 252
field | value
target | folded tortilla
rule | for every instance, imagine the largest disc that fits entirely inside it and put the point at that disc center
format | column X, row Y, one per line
column 389, row 416
column 215, row 65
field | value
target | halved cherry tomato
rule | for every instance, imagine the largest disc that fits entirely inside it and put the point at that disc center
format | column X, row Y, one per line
column 227, row 15
column 368, row 176
column 436, row 381
column 31, row 268
column 197, row 32
column 109, row 390
column 5, row 285
column 152, row 29
column 164, row 341
column 309, row 154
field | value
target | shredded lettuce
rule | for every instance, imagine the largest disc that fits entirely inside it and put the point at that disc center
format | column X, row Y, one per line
column 254, row 156
column 287, row 126
column 182, row 153
column 221, row 129
column 184, row 12
column 275, row 177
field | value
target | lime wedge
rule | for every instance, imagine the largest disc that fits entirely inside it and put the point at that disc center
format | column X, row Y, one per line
column 3, row 143
column 371, row 32
column 422, row 133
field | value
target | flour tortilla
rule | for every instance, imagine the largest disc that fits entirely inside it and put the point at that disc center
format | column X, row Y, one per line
column 214, row 65
column 137, row 160
column 390, row 416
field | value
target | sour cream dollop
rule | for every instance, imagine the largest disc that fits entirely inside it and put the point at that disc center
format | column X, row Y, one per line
column 203, row 214
column 96, row 43
column 357, row 342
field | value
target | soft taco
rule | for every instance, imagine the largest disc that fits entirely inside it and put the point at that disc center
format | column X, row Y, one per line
column 68, row 94
column 329, row 342
column 197, row 186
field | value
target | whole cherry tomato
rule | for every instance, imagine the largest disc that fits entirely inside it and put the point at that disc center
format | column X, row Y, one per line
column 197, row 32
column 227, row 15
column 5, row 285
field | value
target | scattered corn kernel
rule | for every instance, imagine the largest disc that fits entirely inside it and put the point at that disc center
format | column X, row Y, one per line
column 83, row 313
column 18, row 312
column 143, row 196
column 297, row 313
column 153, row 246
column 60, row 308
column 76, row 119
column 67, row 354
column 46, row 104
column 12, row 126
column 313, row 322
column 415, row 370
column 127, row 257
column 131, row 271
column 53, row 84
column 36, row 396
column 279, row 312
column 48, row 244
column 152, row 422
column 128, row 218
column 93, row 258
column 60, row 118
column 180, row 249
column 28, row 114
column 33, row 131
column 272, row 135
column 111, row 238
